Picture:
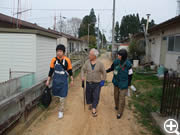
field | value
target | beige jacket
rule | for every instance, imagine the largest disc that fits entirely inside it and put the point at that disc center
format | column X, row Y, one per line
column 96, row 75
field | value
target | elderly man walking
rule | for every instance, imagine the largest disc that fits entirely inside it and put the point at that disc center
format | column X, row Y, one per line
column 95, row 74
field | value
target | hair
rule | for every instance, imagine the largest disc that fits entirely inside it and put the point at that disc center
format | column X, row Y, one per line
column 123, row 53
column 95, row 51
column 60, row 47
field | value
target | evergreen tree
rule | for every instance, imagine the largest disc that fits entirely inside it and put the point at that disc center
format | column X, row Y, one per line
column 88, row 20
column 131, row 24
column 117, row 33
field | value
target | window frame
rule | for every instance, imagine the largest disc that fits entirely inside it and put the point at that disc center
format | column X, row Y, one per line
column 174, row 51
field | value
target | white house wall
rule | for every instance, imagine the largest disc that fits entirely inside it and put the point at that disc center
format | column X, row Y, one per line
column 46, row 50
column 76, row 46
column 17, row 53
column 171, row 57
column 84, row 46
column 155, row 49
column 170, row 62
column 80, row 46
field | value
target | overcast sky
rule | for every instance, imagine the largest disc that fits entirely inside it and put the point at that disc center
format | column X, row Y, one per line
column 160, row 10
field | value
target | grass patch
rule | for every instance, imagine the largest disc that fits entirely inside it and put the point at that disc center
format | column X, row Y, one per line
column 146, row 100
column 145, row 77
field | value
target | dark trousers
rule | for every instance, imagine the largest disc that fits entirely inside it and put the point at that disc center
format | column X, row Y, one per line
column 93, row 93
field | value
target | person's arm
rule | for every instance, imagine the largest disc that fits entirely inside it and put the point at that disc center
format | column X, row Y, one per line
column 69, row 70
column 130, row 79
column 103, row 71
column 110, row 69
column 51, row 71
column 130, row 75
column 71, row 74
column 48, row 81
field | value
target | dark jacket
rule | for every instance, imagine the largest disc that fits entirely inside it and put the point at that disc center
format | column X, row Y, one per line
column 121, row 70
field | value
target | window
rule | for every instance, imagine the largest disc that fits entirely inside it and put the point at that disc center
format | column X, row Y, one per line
column 78, row 47
column 174, row 43
column 177, row 43
column 171, row 44
column 72, row 47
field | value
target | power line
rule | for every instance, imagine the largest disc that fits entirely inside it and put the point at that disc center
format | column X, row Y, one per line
column 60, row 9
column 37, row 18
column 45, row 17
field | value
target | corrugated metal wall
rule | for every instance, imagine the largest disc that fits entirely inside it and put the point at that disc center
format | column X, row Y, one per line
column 46, row 50
column 16, row 52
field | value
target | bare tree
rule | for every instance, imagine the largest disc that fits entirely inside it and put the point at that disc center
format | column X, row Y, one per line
column 62, row 26
column 70, row 26
column 73, row 26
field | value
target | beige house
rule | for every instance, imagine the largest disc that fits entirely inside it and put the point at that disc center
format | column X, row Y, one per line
column 30, row 48
column 164, row 43
column 25, row 52
column 71, row 43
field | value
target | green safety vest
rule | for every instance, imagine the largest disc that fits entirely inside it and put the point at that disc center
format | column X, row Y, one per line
column 120, row 78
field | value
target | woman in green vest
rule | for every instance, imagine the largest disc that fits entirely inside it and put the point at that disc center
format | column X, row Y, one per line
column 121, row 67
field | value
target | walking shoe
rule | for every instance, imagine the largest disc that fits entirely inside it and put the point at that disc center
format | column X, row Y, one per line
column 60, row 115
column 119, row 116
column 94, row 114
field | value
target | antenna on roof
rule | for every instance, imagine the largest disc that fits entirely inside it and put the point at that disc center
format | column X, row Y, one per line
column 54, row 27
column 19, row 13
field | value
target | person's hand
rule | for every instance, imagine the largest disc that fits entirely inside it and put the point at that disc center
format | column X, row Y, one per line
column 47, row 83
column 102, row 83
column 72, row 83
column 82, row 78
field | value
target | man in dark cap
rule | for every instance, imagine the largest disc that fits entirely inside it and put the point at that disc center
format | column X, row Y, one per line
column 121, row 67
column 60, row 68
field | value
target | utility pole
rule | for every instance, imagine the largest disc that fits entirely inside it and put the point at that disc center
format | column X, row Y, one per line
column 178, row 7
column 61, row 21
column 88, row 34
column 98, row 46
column 18, row 6
column 55, row 22
column 113, row 21
column 103, row 37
